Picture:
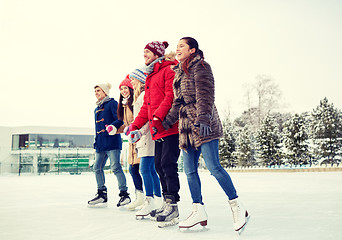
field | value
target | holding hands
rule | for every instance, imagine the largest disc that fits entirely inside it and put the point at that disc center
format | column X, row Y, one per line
column 111, row 129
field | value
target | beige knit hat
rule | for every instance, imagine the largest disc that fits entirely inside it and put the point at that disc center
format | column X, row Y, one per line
column 105, row 87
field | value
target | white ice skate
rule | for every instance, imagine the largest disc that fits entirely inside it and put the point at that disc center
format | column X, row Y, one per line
column 240, row 215
column 146, row 208
column 139, row 200
column 197, row 216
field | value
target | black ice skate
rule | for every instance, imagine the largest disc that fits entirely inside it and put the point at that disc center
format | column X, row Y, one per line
column 100, row 199
column 124, row 199
column 170, row 215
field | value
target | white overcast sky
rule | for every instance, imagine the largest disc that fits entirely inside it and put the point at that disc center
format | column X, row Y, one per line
column 52, row 53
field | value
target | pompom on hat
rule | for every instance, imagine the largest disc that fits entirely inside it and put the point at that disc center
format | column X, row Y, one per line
column 126, row 82
column 157, row 47
column 139, row 74
column 105, row 87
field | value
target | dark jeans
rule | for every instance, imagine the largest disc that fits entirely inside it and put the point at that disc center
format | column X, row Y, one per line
column 165, row 159
column 137, row 180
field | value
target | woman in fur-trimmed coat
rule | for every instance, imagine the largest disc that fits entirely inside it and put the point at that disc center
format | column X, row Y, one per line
column 199, row 130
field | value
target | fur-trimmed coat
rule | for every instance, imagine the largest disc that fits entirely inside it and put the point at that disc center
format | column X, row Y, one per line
column 194, row 97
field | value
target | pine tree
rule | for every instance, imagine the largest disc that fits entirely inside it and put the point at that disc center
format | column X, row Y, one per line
column 296, row 141
column 269, row 142
column 326, row 131
column 227, row 145
column 245, row 148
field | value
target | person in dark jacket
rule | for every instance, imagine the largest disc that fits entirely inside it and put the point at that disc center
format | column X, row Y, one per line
column 157, row 102
column 107, row 144
column 200, row 129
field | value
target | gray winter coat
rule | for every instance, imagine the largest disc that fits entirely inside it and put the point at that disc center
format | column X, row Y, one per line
column 194, row 104
column 145, row 146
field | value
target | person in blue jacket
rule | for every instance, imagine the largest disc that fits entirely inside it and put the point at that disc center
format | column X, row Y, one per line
column 107, row 144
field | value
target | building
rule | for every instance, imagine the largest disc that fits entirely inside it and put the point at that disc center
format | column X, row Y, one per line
column 37, row 149
column 42, row 149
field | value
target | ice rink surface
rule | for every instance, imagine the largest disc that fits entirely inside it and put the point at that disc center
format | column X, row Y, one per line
column 303, row 205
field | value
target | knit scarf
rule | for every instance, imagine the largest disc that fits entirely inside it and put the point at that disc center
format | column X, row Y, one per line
column 149, row 68
column 125, row 100
column 100, row 102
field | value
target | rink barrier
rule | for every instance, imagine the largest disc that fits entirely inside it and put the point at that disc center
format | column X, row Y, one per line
column 288, row 170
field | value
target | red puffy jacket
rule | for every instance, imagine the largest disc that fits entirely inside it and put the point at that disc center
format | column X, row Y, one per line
column 158, row 99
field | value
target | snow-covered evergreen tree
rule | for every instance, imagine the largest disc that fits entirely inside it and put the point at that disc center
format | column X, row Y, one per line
column 326, row 131
column 269, row 142
column 296, row 141
column 245, row 148
column 227, row 145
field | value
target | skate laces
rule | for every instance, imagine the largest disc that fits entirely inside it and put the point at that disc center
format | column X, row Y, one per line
column 167, row 209
column 237, row 213
column 162, row 208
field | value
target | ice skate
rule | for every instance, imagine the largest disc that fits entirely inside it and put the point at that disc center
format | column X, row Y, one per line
column 146, row 209
column 100, row 200
column 197, row 216
column 159, row 206
column 139, row 200
column 240, row 215
column 124, row 199
column 170, row 215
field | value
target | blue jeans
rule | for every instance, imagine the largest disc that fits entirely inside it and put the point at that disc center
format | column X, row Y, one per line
column 211, row 158
column 100, row 162
column 150, row 176
column 137, row 180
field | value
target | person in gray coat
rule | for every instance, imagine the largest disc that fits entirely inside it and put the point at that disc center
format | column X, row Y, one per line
column 145, row 147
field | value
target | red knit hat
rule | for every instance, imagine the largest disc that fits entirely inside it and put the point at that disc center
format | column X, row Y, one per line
column 126, row 82
column 157, row 47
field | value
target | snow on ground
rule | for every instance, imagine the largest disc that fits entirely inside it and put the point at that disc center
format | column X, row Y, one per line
column 282, row 206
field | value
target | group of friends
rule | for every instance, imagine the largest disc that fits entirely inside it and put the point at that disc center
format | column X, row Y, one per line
column 165, row 107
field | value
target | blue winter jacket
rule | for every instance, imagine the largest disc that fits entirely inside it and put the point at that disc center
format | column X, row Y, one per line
column 105, row 114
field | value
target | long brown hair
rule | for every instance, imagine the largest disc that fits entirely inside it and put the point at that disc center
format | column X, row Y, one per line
column 192, row 44
column 120, row 110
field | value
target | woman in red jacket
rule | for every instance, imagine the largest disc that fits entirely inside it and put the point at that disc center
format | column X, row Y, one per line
column 157, row 102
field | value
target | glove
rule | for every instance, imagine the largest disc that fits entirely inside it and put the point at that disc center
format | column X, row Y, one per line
column 166, row 124
column 156, row 126
column 129, row 129
column 111, row 129
column 135, row 136
column 205, row 129
column 126, row 130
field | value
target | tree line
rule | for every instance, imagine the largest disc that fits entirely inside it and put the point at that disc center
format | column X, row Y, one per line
column 263, row 136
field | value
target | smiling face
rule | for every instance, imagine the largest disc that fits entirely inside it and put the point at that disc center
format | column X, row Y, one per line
column 149, row 56
column 124, row 91
column 99, row 93
column 183, row 50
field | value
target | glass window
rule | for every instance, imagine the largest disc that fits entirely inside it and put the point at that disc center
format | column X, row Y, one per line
column 35, row 141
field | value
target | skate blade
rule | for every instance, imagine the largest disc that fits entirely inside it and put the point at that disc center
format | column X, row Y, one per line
column 193, row 229
column 123, row 204
column 129, row 208
column 168, row 224
column 99, row 205
column 142, row 217
column 242, row 229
